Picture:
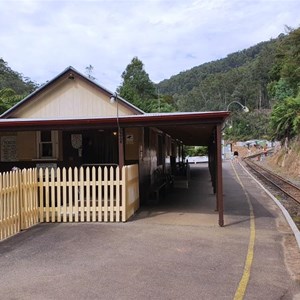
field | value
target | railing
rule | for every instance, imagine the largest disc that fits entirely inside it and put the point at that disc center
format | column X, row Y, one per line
column 88, row 194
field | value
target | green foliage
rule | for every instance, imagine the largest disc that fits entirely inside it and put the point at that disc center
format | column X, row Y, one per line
column 285, row 88
column 290, row 70
column 13, row 86
column 280, row 89
column 285, row 72
column 161, row 104
column 245, row 126
column 8, row 98
column 257, row 77
column 195, row 150
column 242, row 76
column 14, row 80
column 137, row 86
column 285, row 118
column 141, row 91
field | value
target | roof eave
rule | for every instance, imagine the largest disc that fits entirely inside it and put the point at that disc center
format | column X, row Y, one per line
column 123, row 121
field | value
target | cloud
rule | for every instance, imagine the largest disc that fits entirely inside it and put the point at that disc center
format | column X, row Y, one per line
column 42, row 38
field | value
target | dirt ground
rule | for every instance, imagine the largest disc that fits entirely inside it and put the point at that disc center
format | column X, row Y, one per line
column 286, row 163
column 283, row 161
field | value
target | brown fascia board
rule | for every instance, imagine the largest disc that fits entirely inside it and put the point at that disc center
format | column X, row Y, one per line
column 67, row 73
column 47, row 124
column 217, row 117
column 122, row 121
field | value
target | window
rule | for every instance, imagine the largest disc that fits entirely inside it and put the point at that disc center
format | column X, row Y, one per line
column 47, row 144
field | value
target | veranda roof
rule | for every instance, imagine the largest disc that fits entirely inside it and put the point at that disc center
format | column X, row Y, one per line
column 193, row 128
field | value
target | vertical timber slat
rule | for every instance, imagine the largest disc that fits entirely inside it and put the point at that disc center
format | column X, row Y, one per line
column 58, row 193
column 93, row 194
column 105, row 194
column 76, row 200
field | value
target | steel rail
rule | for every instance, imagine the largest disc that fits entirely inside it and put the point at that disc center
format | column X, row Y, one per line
column 279, row 182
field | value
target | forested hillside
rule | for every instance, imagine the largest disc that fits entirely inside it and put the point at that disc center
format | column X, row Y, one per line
column 265, row 78
column 242, row 76
column 13, row 86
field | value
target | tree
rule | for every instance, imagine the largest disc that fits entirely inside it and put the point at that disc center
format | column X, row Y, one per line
column 8, row 98
column 285, row 119
column 291, row 59
column 241, row 76
column 15, row 80
column 195, row 150
column 280, row 89
column 13, row 86
column 285, row 72
column 161, row 104
column 137, row 87
column 245, row 126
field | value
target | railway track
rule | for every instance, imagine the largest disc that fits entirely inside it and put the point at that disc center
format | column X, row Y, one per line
column 279, row 182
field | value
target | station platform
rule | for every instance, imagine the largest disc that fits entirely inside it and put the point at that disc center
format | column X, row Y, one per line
column 274, row 271
column 175, row 250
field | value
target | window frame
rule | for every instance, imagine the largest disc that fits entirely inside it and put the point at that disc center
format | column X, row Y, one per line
column 53, row 142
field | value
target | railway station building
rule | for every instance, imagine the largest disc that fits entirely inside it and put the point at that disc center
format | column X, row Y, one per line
column 71, row 121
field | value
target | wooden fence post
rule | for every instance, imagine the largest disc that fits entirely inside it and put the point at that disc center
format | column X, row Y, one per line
column 41, row 193
column 124, row 193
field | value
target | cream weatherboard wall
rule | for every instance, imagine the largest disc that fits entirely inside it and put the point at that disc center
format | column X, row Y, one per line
column 71, row 99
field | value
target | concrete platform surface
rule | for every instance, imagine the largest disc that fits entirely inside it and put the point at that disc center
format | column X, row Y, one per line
column 174, row 250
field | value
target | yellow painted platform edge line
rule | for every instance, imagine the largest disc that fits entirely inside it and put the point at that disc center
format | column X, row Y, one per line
column 241, row 290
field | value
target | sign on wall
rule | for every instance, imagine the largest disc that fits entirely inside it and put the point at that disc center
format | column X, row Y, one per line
column 9, row 148
column 76, row 141
column 132, row 136
column 129, row 139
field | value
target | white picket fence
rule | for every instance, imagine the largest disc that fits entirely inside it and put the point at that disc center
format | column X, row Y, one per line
column 18, row 201
column 89, row 194
column 9, row 204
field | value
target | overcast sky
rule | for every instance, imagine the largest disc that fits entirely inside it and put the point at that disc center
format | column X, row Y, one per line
column 43, row 37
